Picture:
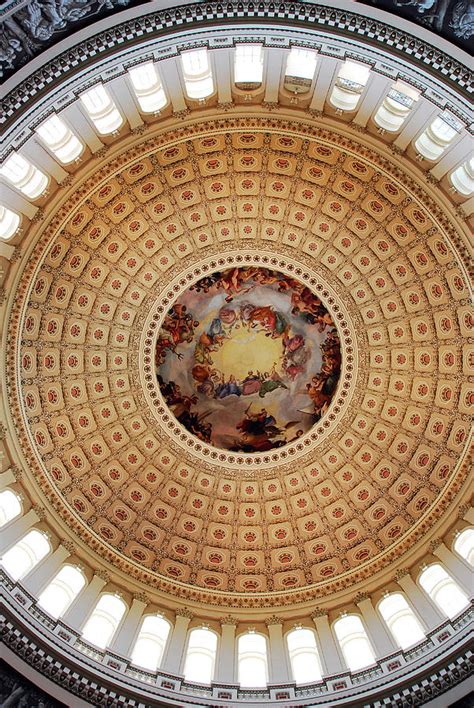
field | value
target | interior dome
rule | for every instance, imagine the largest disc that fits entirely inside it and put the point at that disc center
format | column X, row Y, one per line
column 322, row 494
column 238, row 361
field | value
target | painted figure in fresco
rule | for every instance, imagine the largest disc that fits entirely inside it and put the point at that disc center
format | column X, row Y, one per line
column 259, row 432
column 210, row 403
column 181, row 406
column 178, row 327
column 251, row 384
column 270, row 382
column 229, row 388
column 269, row 319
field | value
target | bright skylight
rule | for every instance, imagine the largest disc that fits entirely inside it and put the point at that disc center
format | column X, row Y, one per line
column 200, row 656
column 9, row 223
column 102, row 110
column 148, row 88
column 401, row 620
column 24, row 176
column 464, row 545
column 354, row 643
column 252, row 660
column 58, row 137
column 62, row 590
column 248, row 67
column 301, row 63
column 350, row 82
column 443, row 590
column 462, row 178
column 25, row 554
column 197, row 73
column 104, row 620
column 435, row 138
column 396, row 106
column 10, row 505
column 150, row 643
column 304, row 657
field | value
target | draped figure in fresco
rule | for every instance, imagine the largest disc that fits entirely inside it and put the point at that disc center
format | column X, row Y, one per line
column 237, row 338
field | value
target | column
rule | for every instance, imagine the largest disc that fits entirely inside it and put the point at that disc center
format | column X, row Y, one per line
column 77, row 614
column 278, row 664
column 39, row 577
column 378, row 88
column 34, row 151
column 330, row 656
column 323, row 83
column 17, row 529
column 275, row 59
column 453, row 157
column 222, row 68
column 379, row 636
column 174, row 655
column 426, row 609
column 420, row 117
column 16, row 201
column 170, row 76
column 121, row 92
column 82, row 126
column 225, row 669
column 456, row 567
column 125, row 637
column 7, row 478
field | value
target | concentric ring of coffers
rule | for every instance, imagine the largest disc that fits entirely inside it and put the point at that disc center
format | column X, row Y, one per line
column 377, row 482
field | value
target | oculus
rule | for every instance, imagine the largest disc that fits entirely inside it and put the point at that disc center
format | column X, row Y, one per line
column 248, row 359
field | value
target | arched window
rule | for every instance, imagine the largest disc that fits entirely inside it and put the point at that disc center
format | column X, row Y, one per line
column 197, row 73
column 102, row 110
column 252, row 660
column 148, row 88
column 10, row 506
column 462, row 178
column 200, row 656
column 60, row 139
column 9, row 223
column 396, row 106
column 304, row 657
column 25, row 554
column 354, row 642
column 27, row 178
column 349, row 86
column 62, row 590
column 438, row 135
column 464, row 545
column 248, row 66
column 104, row 620
column 150, row 644
column 301, row 63
column 401, row 620
column 300, row 69
column 442, row 589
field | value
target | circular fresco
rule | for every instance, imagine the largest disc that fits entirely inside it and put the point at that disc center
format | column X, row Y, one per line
column 248, row 359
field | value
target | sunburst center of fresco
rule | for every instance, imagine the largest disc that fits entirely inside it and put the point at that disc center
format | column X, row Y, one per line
column 248, row 359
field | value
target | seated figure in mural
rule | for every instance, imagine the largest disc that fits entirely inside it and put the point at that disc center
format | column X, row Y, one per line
column 269, row 319
column 229, row 388
column 270, row 382
column 251, row 384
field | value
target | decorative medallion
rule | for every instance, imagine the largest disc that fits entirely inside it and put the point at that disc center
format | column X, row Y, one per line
column 248, row 359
